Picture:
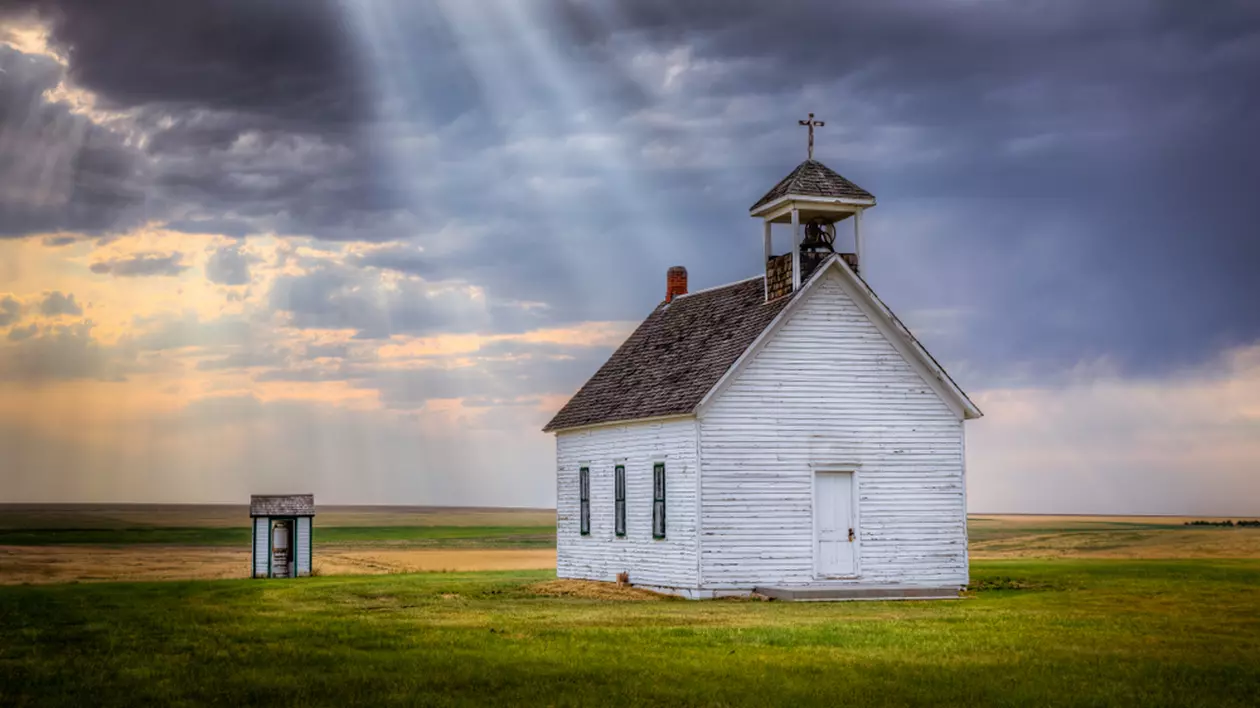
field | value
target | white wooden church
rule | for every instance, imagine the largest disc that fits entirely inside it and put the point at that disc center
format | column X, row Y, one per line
column 784, row 434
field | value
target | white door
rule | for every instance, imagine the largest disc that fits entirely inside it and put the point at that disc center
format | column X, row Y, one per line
column 833, row 524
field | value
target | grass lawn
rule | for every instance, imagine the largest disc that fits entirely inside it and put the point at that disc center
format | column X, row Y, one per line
column 1076, row 632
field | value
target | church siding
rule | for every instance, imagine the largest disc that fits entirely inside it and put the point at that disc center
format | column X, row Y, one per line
column 669, row 562
column 829, row 389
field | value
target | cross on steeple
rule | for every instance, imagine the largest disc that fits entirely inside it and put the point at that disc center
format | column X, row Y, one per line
column 811, row 124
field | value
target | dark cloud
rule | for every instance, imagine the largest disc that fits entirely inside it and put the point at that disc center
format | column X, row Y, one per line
column 228, row 266
column 509, row 372
column 250, row 114
column 329, row 351
column 289, row 60
column 59, row 171
column 531, row 371
column 58, row 240
column 246, row 359
column 17, row 334
column 58, row 303
column 166, row 333
column 62, row 352
column 332, row 295
column 142, row 264
column 223, row 227
column 10, row 310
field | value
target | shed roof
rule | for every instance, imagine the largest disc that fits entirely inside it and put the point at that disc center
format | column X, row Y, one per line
column 282, row 505
column 812, row 178
column 672, row 360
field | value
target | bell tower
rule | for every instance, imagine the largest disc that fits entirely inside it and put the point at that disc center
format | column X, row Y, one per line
column 813, row 199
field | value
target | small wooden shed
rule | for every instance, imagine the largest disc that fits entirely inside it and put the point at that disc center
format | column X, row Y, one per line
column 282, row 534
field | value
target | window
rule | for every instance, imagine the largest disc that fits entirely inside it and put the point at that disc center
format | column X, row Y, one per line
column 658, row 500
column 619, row 493
column 584, row 492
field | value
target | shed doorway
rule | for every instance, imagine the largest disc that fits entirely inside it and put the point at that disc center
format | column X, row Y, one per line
column 282, row 548
column 835, row 528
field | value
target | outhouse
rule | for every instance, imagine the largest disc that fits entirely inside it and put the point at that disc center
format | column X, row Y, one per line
column 282, row 534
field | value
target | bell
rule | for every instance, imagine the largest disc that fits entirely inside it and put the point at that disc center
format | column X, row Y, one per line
column 819, row 236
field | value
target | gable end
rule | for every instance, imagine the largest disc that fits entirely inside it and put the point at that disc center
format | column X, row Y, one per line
column 897, row 334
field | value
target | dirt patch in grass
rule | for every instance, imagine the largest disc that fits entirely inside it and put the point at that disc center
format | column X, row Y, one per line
column 1003, row 583
column 334, row 561
column 63, row 564
column 592, row 590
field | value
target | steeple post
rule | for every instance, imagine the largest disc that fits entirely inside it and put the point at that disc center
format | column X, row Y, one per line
column 796, row 249
column 766, row 260
column 857, row 237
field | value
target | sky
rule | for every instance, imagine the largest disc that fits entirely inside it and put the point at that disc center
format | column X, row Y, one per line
column 366, row 248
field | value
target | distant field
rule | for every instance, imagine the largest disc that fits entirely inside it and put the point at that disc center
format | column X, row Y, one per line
column 128, row 516
column 1146, row 537
column 49, row 544
column 444, row 536
column 62, row 543
column 1078, row 632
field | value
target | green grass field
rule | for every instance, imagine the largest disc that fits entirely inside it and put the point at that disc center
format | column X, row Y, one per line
column 1171, row 633
column 1063, row 611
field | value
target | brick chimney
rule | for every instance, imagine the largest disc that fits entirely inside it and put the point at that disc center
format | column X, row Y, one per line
column 675, row 282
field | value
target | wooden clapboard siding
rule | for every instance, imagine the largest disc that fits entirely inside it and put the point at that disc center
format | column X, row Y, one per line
column 601, row 555
column 303, row 546
column 262, row 551
column 829, row 388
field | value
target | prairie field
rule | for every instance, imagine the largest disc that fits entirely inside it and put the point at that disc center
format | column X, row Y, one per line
column 86, row 543
column 1116, row 537
column 460, row 607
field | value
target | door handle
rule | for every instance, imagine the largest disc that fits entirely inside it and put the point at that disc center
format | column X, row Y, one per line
column 850, row 535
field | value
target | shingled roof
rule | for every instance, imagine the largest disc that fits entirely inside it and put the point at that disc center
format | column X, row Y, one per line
column 675, row 357
column 812, row 178
column 282, row 505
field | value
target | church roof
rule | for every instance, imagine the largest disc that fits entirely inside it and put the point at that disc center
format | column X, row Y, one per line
column 812, row 178
column 675, row 357
column 685, row 348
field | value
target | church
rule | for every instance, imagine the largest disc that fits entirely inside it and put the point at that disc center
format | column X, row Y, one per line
column 785, row 434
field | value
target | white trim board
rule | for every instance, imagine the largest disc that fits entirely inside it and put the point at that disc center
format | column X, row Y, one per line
column 845, row 201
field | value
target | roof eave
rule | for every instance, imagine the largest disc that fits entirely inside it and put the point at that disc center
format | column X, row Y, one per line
column 760, row 209
column 613, row 423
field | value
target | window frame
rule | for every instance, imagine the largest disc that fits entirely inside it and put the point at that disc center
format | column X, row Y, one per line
column 619, row 500
column 584, row 500
column 659, row 528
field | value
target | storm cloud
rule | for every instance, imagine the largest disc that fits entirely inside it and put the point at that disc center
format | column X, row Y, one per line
column 228, row 266
column 141, row 264
column 58, row 303
column 10, row 310
column 58, row 170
